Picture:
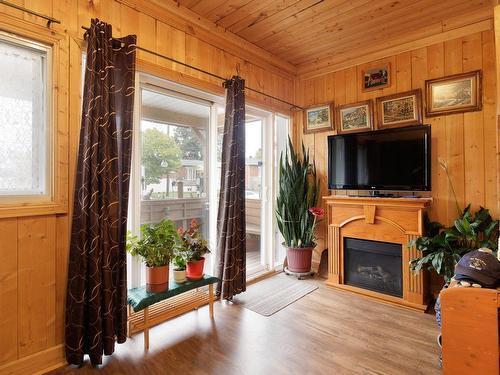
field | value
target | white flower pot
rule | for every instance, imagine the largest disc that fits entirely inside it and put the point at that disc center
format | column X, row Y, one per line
column 179, row 276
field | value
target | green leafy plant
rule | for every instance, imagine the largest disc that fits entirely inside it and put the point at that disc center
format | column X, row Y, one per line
column 179, row 262
column 193, row 246
column 298, row 193
column 443, row 247
column 157, row 244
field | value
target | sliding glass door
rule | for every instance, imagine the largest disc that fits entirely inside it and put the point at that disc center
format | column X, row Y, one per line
column 266, row 135
column 176, row 169
column 170, row 174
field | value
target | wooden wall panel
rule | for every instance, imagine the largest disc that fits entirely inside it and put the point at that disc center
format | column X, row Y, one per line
column 465, row 141
column 36, row 284
column 489, row 121
column 8, row 290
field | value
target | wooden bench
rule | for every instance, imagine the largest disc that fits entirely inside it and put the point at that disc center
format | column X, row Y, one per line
column 146, row 309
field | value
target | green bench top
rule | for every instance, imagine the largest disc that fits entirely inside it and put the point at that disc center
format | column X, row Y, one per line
column 139, row 298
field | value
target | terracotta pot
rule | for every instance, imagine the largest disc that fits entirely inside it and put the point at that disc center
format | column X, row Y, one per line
column 299, row 259
column 194, row 269
column 156, row 279
column 179, row 276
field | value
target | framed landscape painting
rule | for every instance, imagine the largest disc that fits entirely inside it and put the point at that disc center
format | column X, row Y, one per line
column 357, row 117
column 318, row 118
column 399, row 109
column 453, row 94
column 376, row 77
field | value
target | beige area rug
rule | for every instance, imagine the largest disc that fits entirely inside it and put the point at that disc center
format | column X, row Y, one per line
column 271, row 295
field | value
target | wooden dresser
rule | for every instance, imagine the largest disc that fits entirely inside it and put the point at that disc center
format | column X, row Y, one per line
column 391, row 220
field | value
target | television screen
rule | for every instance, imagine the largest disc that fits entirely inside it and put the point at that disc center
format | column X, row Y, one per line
column 391, row 159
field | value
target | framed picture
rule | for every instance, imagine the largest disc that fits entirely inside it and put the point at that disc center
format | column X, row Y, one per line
column 399, row 109
column 376, row 77
column 453, row 94
column 357, row 117
column 318, row 118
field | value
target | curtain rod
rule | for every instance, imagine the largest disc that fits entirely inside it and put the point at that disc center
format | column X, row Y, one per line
column 18, row 7
column 293, row 106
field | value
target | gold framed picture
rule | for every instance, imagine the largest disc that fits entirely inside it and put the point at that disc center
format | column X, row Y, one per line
column 399, row 109
column 318, row 118
column 356, row 117
column 453, row 94
column 376, row 77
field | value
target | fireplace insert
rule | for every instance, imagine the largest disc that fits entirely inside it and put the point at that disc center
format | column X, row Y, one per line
column 373, row 265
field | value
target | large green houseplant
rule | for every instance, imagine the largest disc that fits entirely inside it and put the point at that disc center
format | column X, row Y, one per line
column 296, row 214
column 442, row 247
column 156, row 248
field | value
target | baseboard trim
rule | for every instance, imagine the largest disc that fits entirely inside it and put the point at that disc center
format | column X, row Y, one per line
column 36, row 364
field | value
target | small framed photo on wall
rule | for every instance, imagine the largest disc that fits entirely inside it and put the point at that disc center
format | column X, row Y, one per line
column 399, row 109
column 318, row 118
column 376, row 77
column 453, row 94
column 356, row 117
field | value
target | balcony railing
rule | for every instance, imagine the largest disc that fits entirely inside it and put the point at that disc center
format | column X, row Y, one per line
column 183, row 210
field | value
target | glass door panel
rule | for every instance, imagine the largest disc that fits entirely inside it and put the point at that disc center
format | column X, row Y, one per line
column 253, row 195
column 171, row 162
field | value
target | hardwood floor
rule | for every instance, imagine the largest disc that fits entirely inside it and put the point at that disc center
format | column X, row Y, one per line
column 326, row 332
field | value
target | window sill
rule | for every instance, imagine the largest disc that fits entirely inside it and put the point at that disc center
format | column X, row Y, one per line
column 31, row 209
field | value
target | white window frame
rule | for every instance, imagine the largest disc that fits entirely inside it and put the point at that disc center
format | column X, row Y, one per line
column 28, row 197
column 162, row 86
column 269, row 180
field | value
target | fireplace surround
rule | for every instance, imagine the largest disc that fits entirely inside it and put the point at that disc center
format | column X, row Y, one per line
column 390, row 223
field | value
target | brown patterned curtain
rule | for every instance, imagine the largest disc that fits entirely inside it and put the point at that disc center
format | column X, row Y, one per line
column 231, row 231
column 96, row 310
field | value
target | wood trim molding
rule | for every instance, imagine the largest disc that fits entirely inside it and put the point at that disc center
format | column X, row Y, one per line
column 332, row 64
column 191, row 23
column 38, row 363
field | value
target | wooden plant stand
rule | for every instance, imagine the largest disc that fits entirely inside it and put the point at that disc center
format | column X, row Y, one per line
column 146, row 310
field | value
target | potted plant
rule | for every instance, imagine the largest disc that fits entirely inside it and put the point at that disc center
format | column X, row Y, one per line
column 296, row 213
column 443, row 247
column 156, row 248
column 194, row 247
column 179, row 268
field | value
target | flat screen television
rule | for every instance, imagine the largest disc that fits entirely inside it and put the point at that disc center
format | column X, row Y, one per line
column 390, row 159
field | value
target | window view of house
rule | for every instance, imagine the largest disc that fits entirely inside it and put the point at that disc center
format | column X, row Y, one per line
column 173, row 159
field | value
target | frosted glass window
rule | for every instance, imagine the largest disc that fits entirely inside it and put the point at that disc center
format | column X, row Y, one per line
column 23, row 119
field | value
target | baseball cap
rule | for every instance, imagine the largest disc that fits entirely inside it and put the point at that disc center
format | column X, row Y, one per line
column 480, row 267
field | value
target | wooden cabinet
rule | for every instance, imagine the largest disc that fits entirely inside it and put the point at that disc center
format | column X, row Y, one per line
column 394, row 220
column 470, row 330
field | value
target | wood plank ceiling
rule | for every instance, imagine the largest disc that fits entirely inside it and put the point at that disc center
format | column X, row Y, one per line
column 314, row 34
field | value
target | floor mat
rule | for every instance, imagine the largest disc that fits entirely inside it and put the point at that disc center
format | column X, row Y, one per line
column 269, row 296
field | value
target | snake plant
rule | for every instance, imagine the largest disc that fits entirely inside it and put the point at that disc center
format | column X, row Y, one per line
column 298, row 191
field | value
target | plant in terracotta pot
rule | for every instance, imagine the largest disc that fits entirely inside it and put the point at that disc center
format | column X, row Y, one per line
column 156, row 248
column 296, row 211
column 194, row 248
column 179, row 267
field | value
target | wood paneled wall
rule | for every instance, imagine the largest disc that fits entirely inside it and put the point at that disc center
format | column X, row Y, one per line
column 34, row 249
column 466, row 141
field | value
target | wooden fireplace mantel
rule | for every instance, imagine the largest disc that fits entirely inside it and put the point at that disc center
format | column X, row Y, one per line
column 395, row 220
